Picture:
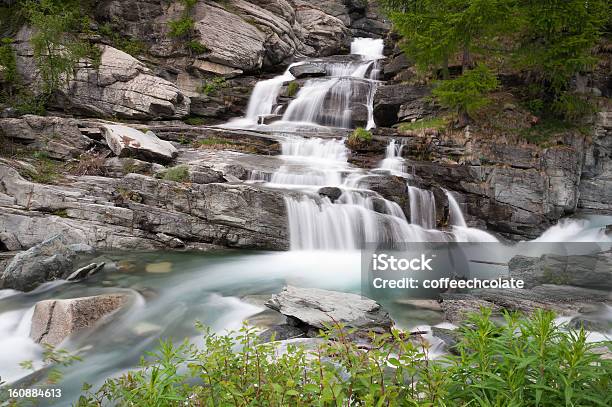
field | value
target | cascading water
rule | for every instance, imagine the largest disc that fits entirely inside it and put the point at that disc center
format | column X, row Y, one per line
column 455, row 213
column 422, row 207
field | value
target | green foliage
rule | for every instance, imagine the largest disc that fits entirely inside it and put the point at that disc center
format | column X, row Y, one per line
column 359, row 136
column 8, row 61
column 212, row 142
column 467, row 93
column 194, row 121
column 47, row 170
column 180, row 173
column 549, row 42
column 182, row 27
column 196, row 47
column 437, row 123
column 56, row 42
column 211, row 86
column 525, row 362
column 292, row 88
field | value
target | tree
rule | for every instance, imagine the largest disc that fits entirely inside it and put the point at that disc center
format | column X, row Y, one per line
column 556, row 44
column 467, row 93
column 434, row 31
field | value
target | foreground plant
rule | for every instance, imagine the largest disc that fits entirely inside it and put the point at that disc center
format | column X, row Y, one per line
column 522, row 362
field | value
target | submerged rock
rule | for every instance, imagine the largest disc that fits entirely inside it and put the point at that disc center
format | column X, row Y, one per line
column 126, row 141
column 52, row 259
column 55, row 320
column 332, row 193
column 313, row 309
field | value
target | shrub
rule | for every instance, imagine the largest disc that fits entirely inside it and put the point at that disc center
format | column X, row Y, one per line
column 212, row 86
column 8, row 61
column 194, row 121
column 466, row 93
column 524, row 362
column 292, row 88
column 196, row 47
column 360, row 136
column 180, row 173
column 182, row 27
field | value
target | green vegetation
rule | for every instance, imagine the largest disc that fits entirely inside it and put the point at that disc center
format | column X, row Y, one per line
column 132, row 46
column 437, row 123
column 211, row 86
column 46, row 170
column 213, row 141
column 360, row 136
column 545, row 42
column 182, row 27
column 194, row 121
column 8, row 61
column 523, row 362
column 180, row 173
column 196, row 47
column 466, row 93
column 292, row 89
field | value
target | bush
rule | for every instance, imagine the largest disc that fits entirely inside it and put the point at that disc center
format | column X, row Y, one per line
column 359, row 136
column 8, row 61
column 466, row 93
column 196, row 47
column 180, row 173
column 525, row 362
column 212, row 86
column 182, row 27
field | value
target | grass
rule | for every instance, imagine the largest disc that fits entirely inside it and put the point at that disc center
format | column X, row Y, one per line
column 544, row 132
column 292, row 89
column 211, row 86
column 438, row 123
column 180, row 173
column 194, row 121
column 359, row 137
column 213, row 141
column 47, row 170
column 522, row 362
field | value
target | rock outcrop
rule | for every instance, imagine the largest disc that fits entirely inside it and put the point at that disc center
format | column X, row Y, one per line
column 52, row 259
column 126, row 141
column 596, row 178
column 313, row 309
column 55, row 320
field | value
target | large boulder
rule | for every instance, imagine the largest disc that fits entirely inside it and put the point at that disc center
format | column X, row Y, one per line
column 126, row 141
column 59, row 137
column 398, row 101
column 124, row 87
column 52, row 259
column 589, row 271
column 55, row 320
column 314, row 309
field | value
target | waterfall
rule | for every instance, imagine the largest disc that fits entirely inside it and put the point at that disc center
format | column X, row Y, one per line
column 455, row 213
column 422, row 207
column 393, row 160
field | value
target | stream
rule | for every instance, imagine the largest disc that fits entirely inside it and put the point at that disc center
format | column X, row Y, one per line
column 170, row 291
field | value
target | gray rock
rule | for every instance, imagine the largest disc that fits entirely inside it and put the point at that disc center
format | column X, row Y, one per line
column 55, row 320
column 118, row 166
column 390, row 98
column 126, row 141
column 591, row 323
column 589, row 271
column 308, row 70
column 85, row 272
column 59, row 137
column 281, row 333
column 332, row 193
column 316, row 309
column 269, row 118
column 52, row 259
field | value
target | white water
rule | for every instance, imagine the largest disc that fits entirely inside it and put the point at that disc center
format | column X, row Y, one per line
column 454, row 211
column 422, row 207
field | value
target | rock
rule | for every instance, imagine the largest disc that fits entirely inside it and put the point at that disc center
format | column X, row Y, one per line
column 589, row 271
column 324, row 33
column 596, row 178
column 55, row 320
column 268, row 118
column 123, row 87
column 118, row 167
column 333, row 193
column 281, row 333
column 126, row 141
column 389, row 98
column 308, row 70
column 85, row 272
column 52, row 259
column 157, row 268
column 450, row 338
column 59, row 137
column 316, row 309
column 591, row 323
column 456, row 307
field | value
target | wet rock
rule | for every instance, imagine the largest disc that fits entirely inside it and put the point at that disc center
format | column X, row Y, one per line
column 269, row 118
column 52, row 259
column 59, row 137
column 456, row 307
column 314, row 309
column 591, row 323
column 55, row 320
column 589, row 271
column 333, row 193
column 281, row 333
column 126, row 141
column 86, row 272
column 308, row 70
